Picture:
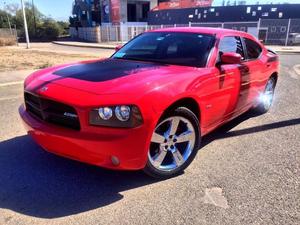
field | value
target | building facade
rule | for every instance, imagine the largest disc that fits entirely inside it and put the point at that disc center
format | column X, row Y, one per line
column 240, row 13
column 90, row 13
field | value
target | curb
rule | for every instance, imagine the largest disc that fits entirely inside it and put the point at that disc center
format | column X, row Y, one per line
column 85, row 46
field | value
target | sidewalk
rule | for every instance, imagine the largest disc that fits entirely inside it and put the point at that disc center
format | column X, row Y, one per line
column 284, row 49
column 112, row 45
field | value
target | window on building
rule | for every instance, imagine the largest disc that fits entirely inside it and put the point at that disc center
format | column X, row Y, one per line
column 231, row 44
column 248, row 9
column 253, row 49
column 265, row 14
column 196, row 11
column 217, row 13
column 254, row 13
column 273, row 9
column 282, row 29
column 199, row 16
column 259, row 8
column 131, row 13
column 212, row 9
column 280, row 15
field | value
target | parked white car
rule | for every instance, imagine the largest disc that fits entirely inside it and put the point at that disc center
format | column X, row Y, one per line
column 294, row 38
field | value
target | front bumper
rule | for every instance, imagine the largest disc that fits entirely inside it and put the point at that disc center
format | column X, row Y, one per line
column 96, row 146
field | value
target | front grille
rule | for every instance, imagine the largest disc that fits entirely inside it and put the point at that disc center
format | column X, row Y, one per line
column 51, row 111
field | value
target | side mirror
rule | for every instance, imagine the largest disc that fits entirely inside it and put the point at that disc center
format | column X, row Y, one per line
column 118, row 47
column 231, row 58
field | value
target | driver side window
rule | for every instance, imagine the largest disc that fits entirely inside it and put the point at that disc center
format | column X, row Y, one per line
column 231, row 44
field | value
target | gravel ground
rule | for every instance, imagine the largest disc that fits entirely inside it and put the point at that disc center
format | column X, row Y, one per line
column 247, row 172
column 42, row 55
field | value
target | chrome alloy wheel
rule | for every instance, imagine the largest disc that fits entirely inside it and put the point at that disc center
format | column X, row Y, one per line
column 268, row 95
column 172, row 143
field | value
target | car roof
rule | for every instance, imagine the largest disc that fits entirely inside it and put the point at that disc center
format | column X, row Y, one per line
column 202, row 30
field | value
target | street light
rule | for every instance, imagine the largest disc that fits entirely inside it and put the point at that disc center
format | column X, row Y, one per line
column 25, row 25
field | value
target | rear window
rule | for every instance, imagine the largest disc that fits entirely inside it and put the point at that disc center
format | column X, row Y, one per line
column 179, row 48
column 253, row 49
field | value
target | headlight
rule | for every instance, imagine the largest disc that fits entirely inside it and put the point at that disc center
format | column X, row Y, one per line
column 105, row 113
column 122, row 112
column 126, row 116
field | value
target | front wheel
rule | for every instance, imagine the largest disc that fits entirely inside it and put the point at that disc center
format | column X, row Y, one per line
column 174, row 144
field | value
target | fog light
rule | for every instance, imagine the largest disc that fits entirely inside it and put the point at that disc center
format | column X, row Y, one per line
column 105, row 113
column 115, row 161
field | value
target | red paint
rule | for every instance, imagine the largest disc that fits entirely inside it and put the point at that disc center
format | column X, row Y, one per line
column 115, row 11
column 222, row 94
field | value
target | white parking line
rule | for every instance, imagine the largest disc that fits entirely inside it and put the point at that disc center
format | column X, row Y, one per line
column 10, row 98
column 11, row 83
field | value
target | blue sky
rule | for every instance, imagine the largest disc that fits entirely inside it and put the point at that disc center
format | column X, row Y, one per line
column 58, row 9
column 61, row 9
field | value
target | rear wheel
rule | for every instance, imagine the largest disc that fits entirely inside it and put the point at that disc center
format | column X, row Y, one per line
column 174, row 144
column 266, row 98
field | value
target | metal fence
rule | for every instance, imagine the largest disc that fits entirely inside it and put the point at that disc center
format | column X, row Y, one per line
column 269, row 31
column 5, row 32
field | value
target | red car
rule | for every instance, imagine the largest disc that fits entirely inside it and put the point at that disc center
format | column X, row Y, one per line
column 148, row 105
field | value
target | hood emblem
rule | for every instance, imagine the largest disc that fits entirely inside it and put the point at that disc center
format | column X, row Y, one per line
column 43, row 89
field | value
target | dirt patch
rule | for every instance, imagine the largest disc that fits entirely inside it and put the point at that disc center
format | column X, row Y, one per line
column 24, row 59
column 6, row 41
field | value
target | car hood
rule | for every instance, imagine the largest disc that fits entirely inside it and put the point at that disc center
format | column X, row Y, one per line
column 108, row 76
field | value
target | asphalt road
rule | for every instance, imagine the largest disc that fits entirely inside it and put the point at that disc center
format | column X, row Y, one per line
column 247, row 172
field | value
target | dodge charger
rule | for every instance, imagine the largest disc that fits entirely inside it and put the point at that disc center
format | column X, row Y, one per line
column 148, row 105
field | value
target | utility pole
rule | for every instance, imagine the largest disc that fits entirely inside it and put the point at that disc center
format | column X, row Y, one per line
column 9, row 25
column 25, row 25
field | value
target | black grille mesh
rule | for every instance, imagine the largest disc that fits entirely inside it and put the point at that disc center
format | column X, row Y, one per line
column 51, row 111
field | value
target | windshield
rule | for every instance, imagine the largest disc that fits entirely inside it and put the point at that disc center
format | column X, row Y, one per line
column 187, row 49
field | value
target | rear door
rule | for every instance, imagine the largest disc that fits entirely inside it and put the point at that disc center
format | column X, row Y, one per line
column 256, row 67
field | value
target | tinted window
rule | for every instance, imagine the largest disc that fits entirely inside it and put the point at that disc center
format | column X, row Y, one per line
column 231, row 44
column 253, row 49
column 186, row 49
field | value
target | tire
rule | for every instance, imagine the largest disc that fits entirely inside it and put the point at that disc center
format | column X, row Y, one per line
column 174, row 144
column 266, row 99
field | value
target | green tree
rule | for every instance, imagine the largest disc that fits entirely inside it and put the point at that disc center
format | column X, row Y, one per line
column 39, row 26
column 4, row 18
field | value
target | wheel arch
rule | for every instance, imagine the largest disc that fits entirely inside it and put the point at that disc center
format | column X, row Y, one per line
column 188, row 102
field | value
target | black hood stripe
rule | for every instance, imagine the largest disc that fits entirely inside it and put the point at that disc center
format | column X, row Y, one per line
column 105, row 70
